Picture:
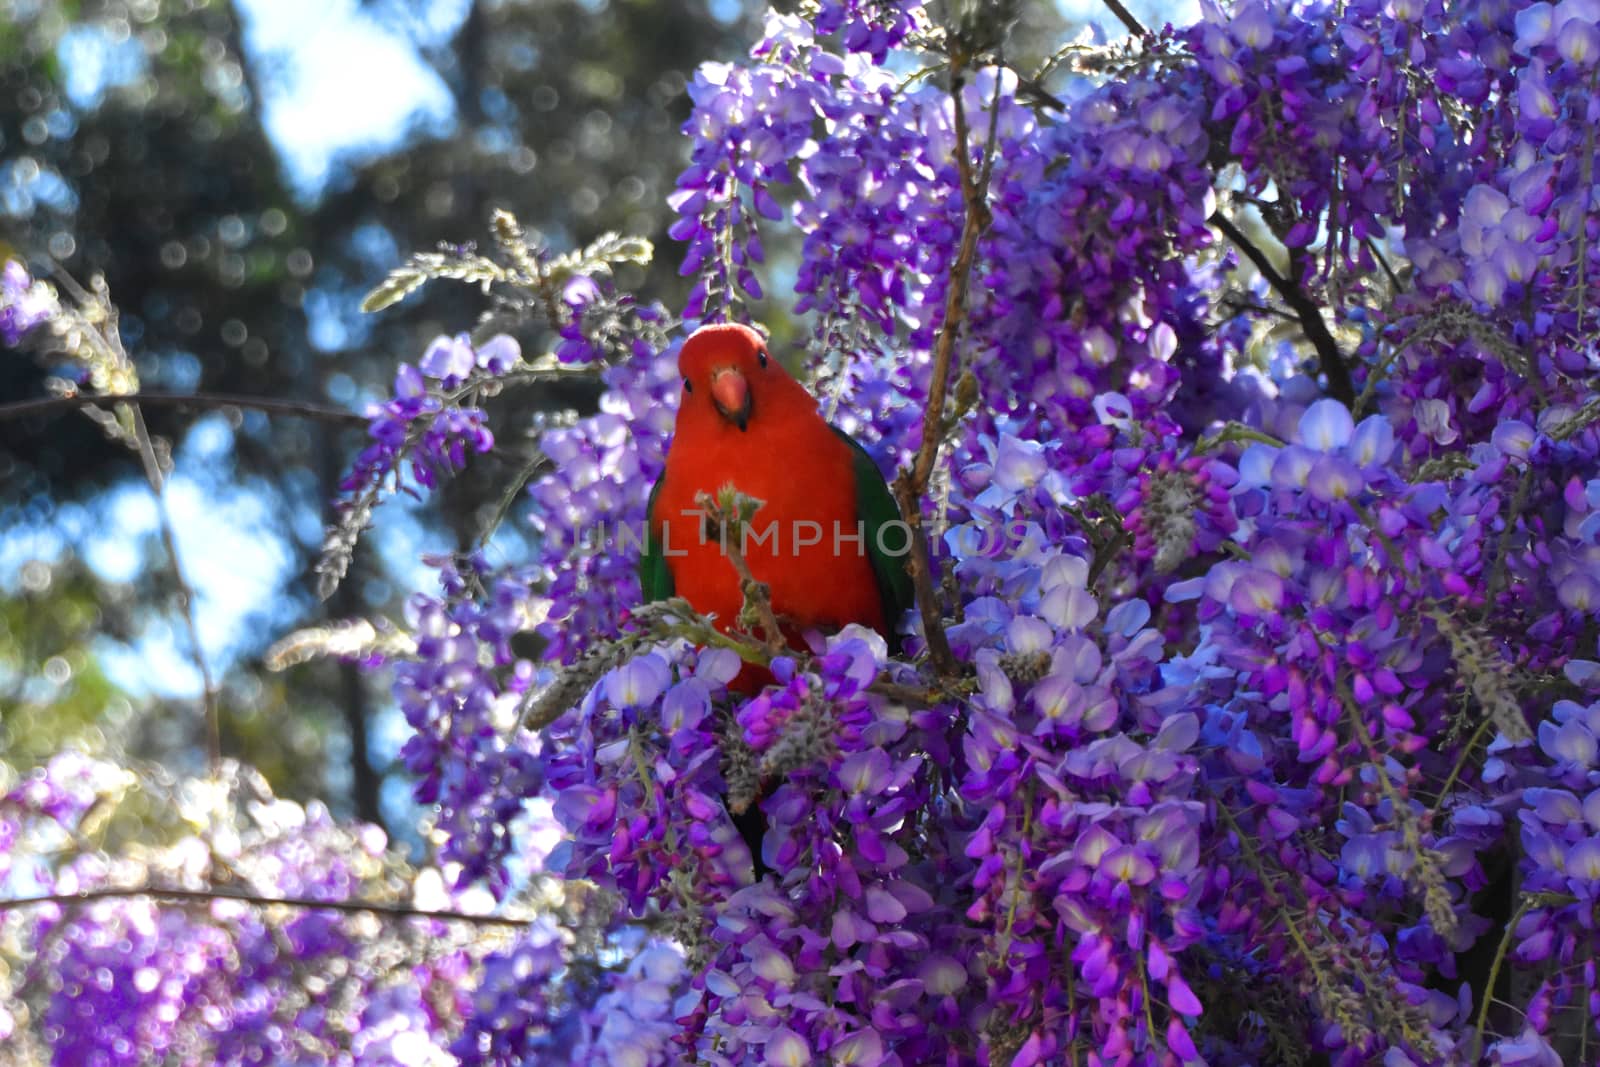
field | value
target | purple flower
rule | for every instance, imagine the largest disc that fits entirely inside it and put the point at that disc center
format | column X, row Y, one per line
column 1534, row 26
column 24, row 303
column 1018, row 464
column 499, row 354
column 639, row 682
column 1577, row 37
column 1333, row 478
column 408, row 383
column 449, row 359
column 1326, row 426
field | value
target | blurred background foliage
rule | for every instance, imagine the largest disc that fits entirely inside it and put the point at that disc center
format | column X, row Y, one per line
column 241, row 173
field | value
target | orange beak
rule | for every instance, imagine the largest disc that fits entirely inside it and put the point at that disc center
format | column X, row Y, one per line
column 732, row 396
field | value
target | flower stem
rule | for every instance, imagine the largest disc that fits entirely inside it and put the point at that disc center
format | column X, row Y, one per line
column 912, row 482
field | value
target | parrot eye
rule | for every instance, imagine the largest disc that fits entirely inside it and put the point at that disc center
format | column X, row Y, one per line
column 763, row 357
column 688, row 386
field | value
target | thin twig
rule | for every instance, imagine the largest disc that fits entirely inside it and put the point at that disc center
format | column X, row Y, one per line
column 1235, row 432
column 912, row 483
column 1041, row 96
column 93, row 324
column 730, row 517
column 1460, row 764
column 1376, row 373
column 1125, row 16
column 1582, row 258
column 1237, row 304
column 915, row 695
column 1377, row 253
column 1055, row 59
column 158, row 486
column 196, row 401
column 535, row 465
column 1305, row 309
column 1501, row 951
column 757, row 599
column 205, row 896
column 1519, row 504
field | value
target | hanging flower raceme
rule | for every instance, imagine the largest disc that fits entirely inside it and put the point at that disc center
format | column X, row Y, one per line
column 589, row 511
column 463, row 692
column 424, row 430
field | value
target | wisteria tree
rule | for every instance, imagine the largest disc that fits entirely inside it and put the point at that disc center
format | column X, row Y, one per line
column 1239, row 381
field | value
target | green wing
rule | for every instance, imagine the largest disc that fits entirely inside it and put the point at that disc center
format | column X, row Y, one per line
column 655, row 577
column 876, row 508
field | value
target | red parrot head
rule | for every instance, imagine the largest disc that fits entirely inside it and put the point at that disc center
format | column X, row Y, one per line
column 729, row 377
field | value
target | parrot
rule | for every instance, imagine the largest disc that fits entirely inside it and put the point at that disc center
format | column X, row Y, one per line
column 820, row 540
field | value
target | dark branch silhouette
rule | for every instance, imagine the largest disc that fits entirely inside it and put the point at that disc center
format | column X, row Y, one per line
column 49, row 405
column 200, row 896
column 1126, row 18
column 1306, row 310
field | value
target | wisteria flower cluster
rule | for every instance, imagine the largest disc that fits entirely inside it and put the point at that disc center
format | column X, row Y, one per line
column 1264, row 542
column 163, row 951
column 424, row 429
column 274, row 934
